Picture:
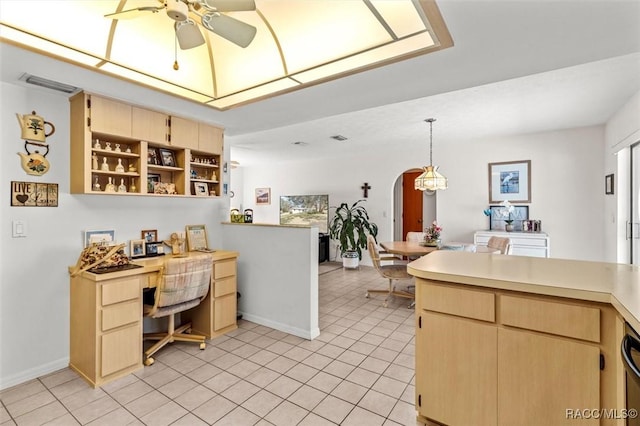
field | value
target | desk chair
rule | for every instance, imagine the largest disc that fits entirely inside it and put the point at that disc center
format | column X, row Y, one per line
column 391, row 272
column 500, row 243
column 183, row 283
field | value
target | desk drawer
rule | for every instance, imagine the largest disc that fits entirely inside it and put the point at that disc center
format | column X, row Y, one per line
column 578, row 322
column 224, row 286
column 224, row 269
column 121, row 314
column 458, row 301
column 120, row 290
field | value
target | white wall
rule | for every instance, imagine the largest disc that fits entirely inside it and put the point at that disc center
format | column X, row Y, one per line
column 277, row 276
column 34, row 282
column 567, row 186
column 622, row 130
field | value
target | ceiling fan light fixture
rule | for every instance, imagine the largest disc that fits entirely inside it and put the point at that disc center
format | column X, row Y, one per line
column 235, row 31
column 188, row 34
column 177, row 10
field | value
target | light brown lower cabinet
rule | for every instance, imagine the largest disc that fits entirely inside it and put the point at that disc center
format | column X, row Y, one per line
column 493, row 357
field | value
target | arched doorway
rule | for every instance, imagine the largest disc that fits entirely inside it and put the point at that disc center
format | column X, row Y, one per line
column 413, row 210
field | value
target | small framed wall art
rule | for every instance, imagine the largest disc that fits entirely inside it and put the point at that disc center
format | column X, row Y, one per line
column 608, row 184
column 263, row 196
column 510, row 181
column 34, row 194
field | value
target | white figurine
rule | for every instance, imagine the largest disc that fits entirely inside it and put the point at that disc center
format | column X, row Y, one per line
column 105, row 166
column 110, row 187
column 117, row 148
column 107, row 147
column 119, row 167
column 128, row 149
column 96, row 186
column 94, row 161
column 97, row 144
column 122, row 187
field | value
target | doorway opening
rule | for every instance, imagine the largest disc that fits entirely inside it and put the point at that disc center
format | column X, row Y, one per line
column 413, row 210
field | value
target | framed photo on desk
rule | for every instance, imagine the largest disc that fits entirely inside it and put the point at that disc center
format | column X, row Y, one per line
column 197, row 238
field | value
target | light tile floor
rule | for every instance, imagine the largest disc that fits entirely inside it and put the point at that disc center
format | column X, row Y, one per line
column 359, row 371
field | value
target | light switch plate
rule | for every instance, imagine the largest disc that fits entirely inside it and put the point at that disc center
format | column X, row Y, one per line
column 19, row 229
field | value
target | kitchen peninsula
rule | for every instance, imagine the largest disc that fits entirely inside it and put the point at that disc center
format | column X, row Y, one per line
column 503, row 340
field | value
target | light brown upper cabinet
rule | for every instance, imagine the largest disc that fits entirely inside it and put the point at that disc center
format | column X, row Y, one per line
column 196, row 136
column 150, row 126
column 109, row 116
column 184, row 133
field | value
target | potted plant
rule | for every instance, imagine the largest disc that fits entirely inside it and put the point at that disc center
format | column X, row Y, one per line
column 350, row 226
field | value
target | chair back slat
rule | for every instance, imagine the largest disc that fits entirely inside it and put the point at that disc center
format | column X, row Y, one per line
column 500, row 243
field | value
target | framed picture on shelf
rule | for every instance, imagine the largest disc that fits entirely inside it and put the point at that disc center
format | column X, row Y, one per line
column 106, row 236
column 201, row 189
column 263, row 196
column 152, row 179
column 197, row 238
column 153, row 157
column 518, row 215
column 149, row 235
column 510, row 181
column 168, row 157
column 155, row 248
column 137, row 248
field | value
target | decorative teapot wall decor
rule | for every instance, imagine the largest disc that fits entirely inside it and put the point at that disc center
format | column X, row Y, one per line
column 33, row 131
column 33, row 127
column 34, row 163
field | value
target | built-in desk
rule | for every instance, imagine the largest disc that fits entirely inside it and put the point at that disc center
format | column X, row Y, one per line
column 106, row 315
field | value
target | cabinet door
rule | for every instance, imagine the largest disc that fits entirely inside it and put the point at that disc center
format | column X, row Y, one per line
column 456, row 370
column 111, row 117
column 210, row 139
column 149, row 126
column 225, row 311
column 121, row 349
column 541, row 377
column 184, row 133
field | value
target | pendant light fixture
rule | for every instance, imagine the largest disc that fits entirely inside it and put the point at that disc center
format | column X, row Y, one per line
column 430, row 179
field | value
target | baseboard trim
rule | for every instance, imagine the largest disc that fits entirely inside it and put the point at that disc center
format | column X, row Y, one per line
column 305, row 334
column 33, row 373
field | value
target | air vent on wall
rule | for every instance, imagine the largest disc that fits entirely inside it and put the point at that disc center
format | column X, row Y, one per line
column 48, row 84
column 339, row 138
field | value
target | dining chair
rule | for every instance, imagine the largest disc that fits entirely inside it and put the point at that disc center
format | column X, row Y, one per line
column 500, row 243
column 183, row 282
column 391, row 272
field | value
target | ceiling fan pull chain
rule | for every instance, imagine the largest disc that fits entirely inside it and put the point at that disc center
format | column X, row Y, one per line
column 175, row 50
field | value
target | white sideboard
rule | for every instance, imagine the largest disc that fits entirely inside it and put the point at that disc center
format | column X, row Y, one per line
column 536, row 244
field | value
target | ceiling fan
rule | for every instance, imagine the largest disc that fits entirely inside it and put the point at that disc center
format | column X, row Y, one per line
column 209, row 13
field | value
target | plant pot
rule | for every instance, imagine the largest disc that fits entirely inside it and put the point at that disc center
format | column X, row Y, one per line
column 350, row 260
column 432, row 243
column 508, row 227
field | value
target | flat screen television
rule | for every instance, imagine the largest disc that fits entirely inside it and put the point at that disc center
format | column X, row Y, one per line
column 305, row 210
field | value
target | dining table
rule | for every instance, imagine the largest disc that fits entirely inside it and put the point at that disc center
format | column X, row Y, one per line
column 415, row 248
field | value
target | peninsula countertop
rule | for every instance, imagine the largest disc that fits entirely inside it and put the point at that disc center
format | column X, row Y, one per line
column 614, row 283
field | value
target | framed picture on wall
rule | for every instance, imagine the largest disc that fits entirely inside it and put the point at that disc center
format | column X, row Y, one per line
column 608, row 184
column 510, row 180
column 263, row 196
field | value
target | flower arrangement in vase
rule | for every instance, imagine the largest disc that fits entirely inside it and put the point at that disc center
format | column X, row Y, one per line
column 432, row 234
column 506, row 211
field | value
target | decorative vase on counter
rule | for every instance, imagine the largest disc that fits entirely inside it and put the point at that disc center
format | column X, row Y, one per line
column 432, row 243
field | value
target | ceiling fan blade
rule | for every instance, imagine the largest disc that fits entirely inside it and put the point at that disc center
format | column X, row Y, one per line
column 134, row 13
column 188, row 34
column 229, row 28
column 231, row 5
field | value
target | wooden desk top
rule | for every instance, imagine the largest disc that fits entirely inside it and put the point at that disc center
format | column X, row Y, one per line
column 407, row 248
column 150, row 264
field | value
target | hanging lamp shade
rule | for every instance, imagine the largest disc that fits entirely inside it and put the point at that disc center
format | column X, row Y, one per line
column 430, row 179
